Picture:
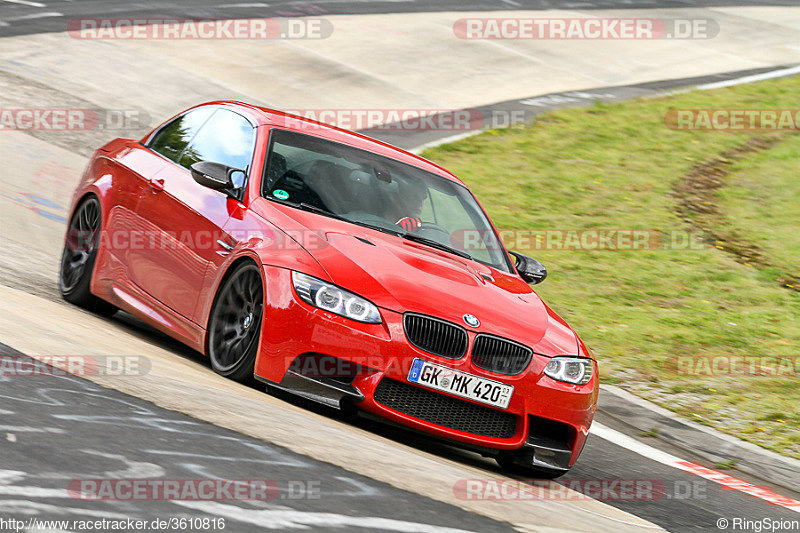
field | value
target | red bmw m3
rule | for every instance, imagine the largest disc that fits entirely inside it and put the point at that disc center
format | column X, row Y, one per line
column 338, row 268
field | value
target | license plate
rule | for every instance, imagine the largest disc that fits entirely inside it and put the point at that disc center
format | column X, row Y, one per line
column 459, row 383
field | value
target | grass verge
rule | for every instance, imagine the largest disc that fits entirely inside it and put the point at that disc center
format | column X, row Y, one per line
column 618, row 167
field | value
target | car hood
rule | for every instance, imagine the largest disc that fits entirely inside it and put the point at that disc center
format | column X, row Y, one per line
column 405, row 276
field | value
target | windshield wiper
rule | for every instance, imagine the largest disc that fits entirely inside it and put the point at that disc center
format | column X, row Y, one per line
column 410, row 236
column 309, row 207
column 320, row 211
column 327, row 213
column 435, row 244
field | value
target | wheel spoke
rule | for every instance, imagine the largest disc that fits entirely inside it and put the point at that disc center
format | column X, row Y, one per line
column 93, row 217
column 253, row 290
column 236, row 319
column 82, row 239
column 84, row 221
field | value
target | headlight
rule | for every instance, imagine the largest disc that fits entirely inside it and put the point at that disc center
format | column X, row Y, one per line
column 575, row 370
column 331, row 298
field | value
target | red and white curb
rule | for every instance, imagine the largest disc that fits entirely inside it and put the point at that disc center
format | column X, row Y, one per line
column 727, row 481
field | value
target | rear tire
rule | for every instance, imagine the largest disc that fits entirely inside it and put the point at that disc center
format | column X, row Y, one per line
column 234, row 328
column 78, row 257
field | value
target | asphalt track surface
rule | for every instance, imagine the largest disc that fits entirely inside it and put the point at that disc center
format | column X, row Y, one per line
column 66, row 429
column 115, row 432
column 27, row 17
column 525, row 110
column 55, row 443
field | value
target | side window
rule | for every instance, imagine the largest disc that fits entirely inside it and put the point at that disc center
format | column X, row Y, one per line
column 226, row 138
column 173, row 138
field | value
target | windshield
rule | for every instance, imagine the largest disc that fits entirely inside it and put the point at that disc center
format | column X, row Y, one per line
column 376, row 191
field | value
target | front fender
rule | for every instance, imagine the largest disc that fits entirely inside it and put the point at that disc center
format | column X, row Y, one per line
column 264, row 244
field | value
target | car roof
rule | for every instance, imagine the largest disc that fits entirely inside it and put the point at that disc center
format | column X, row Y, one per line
column 265, row 116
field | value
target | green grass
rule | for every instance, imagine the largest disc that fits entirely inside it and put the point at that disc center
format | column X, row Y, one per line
column 762, row 204
column 651, row 433
column 614, row 166
column 726, row 465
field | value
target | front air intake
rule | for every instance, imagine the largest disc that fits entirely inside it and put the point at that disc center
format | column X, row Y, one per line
column 503, row 356
column 435, row 336
column 445, row 411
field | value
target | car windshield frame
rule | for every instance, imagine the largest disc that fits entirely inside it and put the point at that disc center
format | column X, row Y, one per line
column 276, row 132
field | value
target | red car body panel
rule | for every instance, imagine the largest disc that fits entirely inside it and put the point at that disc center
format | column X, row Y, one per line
column 172, row 284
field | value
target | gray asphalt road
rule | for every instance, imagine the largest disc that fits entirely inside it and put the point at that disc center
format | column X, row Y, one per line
column 20, row 17
column 84, row 417
column 59, row 431
column 680, row 502
column 51, row 427
column 504, row 114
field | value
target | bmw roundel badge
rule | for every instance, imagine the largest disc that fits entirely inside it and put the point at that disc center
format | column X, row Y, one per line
column 472, row 320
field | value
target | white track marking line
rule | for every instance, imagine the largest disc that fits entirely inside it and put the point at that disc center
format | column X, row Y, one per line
column 727, row 481
column 728, row 439
column 25, row 3
column 33, row 492
column 254, row 4
column 782, row 73
column 24, row 429
column 30, row 17
column 303, row 2
column 444, row 140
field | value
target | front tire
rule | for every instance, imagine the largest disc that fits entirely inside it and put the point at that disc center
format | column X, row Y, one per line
column 78, row 257
column 235, row 324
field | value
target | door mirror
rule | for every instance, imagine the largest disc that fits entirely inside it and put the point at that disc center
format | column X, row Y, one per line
column 530, row 270
column 215, row 175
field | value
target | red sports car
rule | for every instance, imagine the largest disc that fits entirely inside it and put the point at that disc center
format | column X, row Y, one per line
column 338, row 268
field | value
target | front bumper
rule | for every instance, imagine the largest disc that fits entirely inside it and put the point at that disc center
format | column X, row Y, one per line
column 332, row 359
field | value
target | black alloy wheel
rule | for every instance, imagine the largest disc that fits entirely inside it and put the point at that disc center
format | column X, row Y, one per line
column 235, row 324
column 78, row 257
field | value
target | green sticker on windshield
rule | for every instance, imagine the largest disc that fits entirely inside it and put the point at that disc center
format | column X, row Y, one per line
column 280, row 194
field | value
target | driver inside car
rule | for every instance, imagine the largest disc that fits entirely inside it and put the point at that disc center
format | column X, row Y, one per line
column 408, row 206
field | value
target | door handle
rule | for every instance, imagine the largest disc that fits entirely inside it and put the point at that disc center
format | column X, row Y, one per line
column 157, row 184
